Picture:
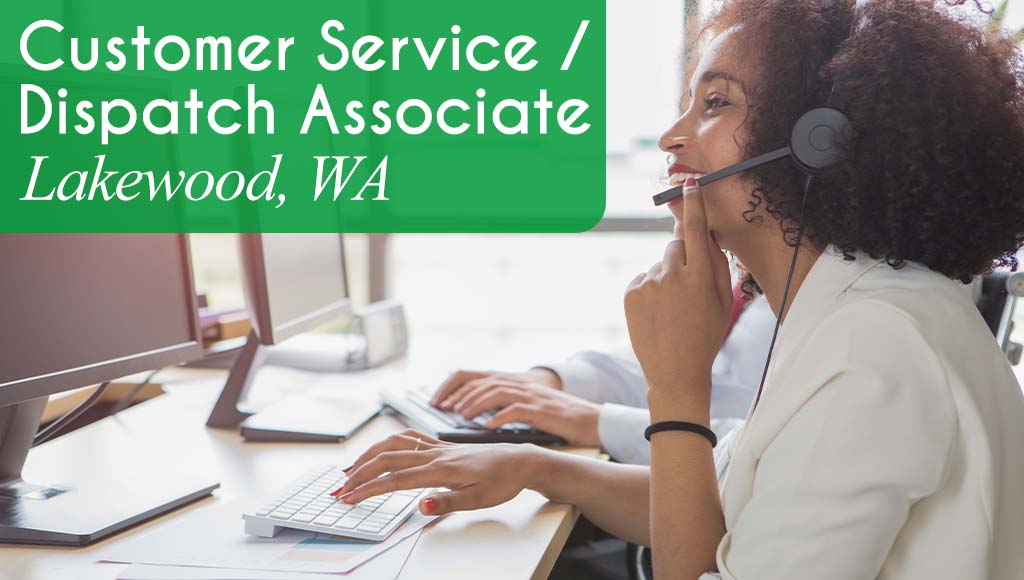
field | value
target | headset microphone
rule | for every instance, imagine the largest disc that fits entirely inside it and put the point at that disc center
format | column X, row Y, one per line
column 815, row 144
column 818, row 142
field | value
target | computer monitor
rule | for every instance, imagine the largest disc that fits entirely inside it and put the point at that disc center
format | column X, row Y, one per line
column 293, row 283
column 79, row 310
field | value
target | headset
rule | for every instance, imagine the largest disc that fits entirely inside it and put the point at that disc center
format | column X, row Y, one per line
column 818, row 142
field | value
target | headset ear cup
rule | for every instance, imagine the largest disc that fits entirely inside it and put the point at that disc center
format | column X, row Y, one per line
column 820, row 139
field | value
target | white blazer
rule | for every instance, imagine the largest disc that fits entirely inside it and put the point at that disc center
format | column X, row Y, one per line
column 888, row 443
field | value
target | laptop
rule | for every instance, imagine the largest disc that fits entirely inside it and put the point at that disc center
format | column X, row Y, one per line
column 414, row 407
column 309, row 418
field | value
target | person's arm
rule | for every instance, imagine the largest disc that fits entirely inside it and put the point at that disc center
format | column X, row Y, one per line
column 621, row 433
column 677, row 314
column 613, row 496
column 686, row 520
column 590, row 411
column 602, row 377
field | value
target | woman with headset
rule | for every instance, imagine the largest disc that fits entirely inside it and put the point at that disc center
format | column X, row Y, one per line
column 888, row 437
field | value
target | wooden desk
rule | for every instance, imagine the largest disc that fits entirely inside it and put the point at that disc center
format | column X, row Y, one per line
column 520, row 539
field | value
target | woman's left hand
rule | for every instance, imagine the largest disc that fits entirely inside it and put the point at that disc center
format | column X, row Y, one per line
column 677, row 313
column 477, row 476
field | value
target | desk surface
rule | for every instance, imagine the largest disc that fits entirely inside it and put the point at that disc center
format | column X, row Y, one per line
column 519, row 539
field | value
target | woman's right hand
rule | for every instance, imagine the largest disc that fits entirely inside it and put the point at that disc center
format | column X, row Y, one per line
column 477, row 476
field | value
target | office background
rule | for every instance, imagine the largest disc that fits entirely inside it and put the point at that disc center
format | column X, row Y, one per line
column 567, row 288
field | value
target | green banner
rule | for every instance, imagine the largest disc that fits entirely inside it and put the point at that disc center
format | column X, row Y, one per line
column 302, row 116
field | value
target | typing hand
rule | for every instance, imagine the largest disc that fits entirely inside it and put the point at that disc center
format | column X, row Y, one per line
column 570, row 417
column 463, row 382
column 477, row 476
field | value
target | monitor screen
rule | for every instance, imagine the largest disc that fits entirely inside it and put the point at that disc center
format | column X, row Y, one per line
column 81, row 309
column 297, row 282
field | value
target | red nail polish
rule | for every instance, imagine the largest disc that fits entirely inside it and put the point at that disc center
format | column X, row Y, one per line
column 337, row 491
column 429, row 506
column 690, row 182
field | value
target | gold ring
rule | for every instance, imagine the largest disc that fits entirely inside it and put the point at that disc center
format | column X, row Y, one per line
column 417, row 448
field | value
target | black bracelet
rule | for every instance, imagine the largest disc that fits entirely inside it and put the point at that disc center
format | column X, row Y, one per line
column 681, row 426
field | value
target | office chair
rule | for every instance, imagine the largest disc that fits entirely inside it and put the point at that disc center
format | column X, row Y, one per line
column 996, row 296
column 638, row 562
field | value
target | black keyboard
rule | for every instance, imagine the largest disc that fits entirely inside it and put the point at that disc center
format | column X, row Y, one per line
column 415, row 406
column 456, row 420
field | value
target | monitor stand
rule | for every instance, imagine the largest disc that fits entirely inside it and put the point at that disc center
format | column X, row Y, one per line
column 94, row 506
column 313, row 421
column 225, row 413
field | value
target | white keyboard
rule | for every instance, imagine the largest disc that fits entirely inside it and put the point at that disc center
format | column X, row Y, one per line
column 308, row 505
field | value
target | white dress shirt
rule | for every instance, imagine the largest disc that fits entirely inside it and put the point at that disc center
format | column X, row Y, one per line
column 888, row 442
column 616, row 381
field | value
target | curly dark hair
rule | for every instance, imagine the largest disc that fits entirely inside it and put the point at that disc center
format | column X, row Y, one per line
column 935, row 170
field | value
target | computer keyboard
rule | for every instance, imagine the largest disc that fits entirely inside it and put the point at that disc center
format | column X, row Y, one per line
column 413, row 406
column 422, row 401
column 308, row 505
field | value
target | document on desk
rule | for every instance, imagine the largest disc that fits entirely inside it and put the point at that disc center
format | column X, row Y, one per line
column 387, row 566
column 213, row 538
